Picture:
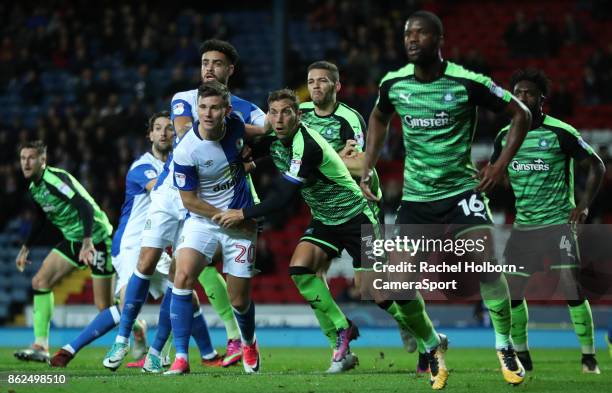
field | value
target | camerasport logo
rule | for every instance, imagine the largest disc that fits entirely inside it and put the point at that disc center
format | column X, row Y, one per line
column 538, row 165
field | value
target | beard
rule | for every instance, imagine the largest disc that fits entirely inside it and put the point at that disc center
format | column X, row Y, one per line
column 325, row 99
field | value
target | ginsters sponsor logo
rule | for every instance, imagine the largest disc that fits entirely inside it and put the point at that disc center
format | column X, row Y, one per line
column 537, row 165
column 440, row 119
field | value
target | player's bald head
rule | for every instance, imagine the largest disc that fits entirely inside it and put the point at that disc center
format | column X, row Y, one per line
column 431, row 20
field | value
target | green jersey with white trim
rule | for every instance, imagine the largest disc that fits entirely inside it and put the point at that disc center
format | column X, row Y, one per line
column 53, row 193
column 438, row 120
column 327, row 186
column 542, row 172
column 342, row 124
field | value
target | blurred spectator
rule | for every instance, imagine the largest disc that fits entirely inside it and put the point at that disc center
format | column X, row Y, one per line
column 518, row 36
column 561, row 101
column 178, row 82
column 32, row 89
column 592, row 87
column 573, row 33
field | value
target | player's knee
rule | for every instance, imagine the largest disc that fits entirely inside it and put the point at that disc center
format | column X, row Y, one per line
column 39, row 282
column 182, row 280
column 241, row 303
column 148, row 260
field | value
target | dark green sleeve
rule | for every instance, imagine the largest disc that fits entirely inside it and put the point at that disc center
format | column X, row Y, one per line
column 497, row 146
column 574, row 146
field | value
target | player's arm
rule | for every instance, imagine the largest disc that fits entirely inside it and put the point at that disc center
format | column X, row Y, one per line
column 195, row 204
column 305, row 160
column 182, row 124
column 493, row 173
column 353, row 136
column 62, row 188
column 277, row 199
column 256, row 125
column 180, row 114
column 497, row 148
column 378, row 127
column 38, row 223
column 143, row 176
column 574, row 146
column 186, row 180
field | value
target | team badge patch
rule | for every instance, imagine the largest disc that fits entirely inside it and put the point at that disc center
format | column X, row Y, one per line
column 178, row 109
column 498, row 91
column 180, row 179
column 543, row 144
column 150, row 174
column 295, row 167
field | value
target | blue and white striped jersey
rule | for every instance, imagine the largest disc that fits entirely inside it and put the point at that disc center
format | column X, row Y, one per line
column 136, row 203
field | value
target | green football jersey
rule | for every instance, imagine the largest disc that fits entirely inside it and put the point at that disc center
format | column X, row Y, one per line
column 341, row 125
column 542, row 172
column 53, row 193
column 438, row 121
column 328, row 188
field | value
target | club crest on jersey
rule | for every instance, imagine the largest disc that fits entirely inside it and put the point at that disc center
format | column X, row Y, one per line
column 147, row 225
column 180, row 179
column 178, row 109
column 543, row 144
column 239, row 144
column 150, row 174
column 448, row 97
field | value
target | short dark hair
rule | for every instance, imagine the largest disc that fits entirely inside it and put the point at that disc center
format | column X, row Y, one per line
column 432, row 19
column 327, row 66
column 214, row 88
column 534, row 75
column 41, row 148
column 154, row 117
column 220, row 46
column 284, row 94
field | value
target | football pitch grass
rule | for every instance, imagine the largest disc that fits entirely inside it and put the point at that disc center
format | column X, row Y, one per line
column 302, row 370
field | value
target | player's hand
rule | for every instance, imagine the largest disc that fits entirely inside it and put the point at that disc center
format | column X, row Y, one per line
column 229, row 218
column 364, row 184
column 349, row 149
column 578, row 215
column 490, row 176
column 88, row 252
column 22, row 259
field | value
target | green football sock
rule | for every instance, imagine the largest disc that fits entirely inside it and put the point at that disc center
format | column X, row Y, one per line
column 42, row 312
column 395, row 311
column 497, row 300
column 583, row 326
column 418, row 322
column 327, row 326
column 314, row 290
column 216, row 289
column 520, row 317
